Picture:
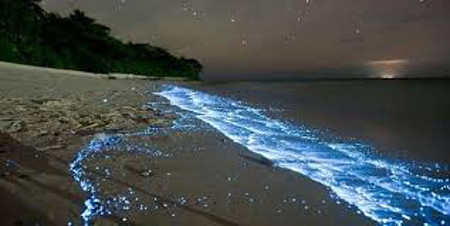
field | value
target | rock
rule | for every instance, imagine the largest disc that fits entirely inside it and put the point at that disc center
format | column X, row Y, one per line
column 16, row 126
column 147, row 173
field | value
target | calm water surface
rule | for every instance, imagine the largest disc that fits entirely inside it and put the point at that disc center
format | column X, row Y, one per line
column 405, row 118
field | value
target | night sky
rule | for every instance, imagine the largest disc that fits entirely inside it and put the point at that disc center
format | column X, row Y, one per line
column 286, row 38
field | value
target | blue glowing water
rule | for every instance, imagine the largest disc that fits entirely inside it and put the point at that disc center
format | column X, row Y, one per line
column 390, row 192
column 104, row 146
column 96, row 204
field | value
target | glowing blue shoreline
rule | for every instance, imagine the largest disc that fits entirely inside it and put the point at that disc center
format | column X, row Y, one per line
column 387, row 191
column 97, row 204
column 103, row 145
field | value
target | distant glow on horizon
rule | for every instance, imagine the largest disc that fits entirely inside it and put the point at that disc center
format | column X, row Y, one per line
column 387, row 69
column 389, row 62
column 388, row 76
column 388, row 191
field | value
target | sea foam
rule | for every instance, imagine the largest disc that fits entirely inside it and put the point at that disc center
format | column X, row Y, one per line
column 388, row 191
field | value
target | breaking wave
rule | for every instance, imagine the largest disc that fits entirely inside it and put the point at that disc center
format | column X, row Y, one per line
column 391, row 192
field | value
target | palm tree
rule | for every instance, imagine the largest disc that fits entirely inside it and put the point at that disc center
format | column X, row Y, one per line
column 35, row 8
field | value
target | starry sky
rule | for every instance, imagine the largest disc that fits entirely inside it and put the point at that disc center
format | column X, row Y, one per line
column 245, row 39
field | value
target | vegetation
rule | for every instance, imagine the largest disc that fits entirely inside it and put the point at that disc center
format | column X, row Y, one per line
column 29, row 35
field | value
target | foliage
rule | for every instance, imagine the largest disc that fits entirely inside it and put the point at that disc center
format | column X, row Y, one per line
column 29, row 35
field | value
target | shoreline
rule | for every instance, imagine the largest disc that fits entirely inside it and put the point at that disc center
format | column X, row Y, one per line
column 202, row 178
column 46, row 116
column 58, row 71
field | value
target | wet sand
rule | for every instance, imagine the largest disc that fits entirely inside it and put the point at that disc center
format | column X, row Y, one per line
column 205, row 179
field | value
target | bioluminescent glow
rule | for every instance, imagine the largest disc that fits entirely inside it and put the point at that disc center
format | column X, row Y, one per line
column 387, row 191
column 106, row 146
column 102, row 145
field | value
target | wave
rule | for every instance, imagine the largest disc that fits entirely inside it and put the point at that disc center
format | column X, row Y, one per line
column 388, row 191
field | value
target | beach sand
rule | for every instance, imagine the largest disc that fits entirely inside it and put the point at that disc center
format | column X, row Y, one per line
column 47, row 116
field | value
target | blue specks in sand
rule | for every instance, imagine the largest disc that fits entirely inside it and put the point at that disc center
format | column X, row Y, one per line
column 103, row 146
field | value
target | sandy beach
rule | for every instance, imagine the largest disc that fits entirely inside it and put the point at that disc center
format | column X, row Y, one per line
column 201, row 178
column 224, row 113
column 46, row 116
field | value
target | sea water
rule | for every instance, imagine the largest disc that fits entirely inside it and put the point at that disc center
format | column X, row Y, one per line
column 386, row 190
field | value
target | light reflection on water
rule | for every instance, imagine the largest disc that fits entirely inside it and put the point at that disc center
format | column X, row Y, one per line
column 387, row 191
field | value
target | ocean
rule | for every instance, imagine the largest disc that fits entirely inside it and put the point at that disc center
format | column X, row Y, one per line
column 404, row 118
column 379, row 146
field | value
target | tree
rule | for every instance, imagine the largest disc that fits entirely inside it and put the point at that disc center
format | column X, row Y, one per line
column 30, row 35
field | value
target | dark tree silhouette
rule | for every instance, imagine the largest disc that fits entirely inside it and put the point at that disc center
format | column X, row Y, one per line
column 30, row 35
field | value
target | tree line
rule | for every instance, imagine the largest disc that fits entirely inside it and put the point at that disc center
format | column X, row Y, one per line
column 30, row 35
